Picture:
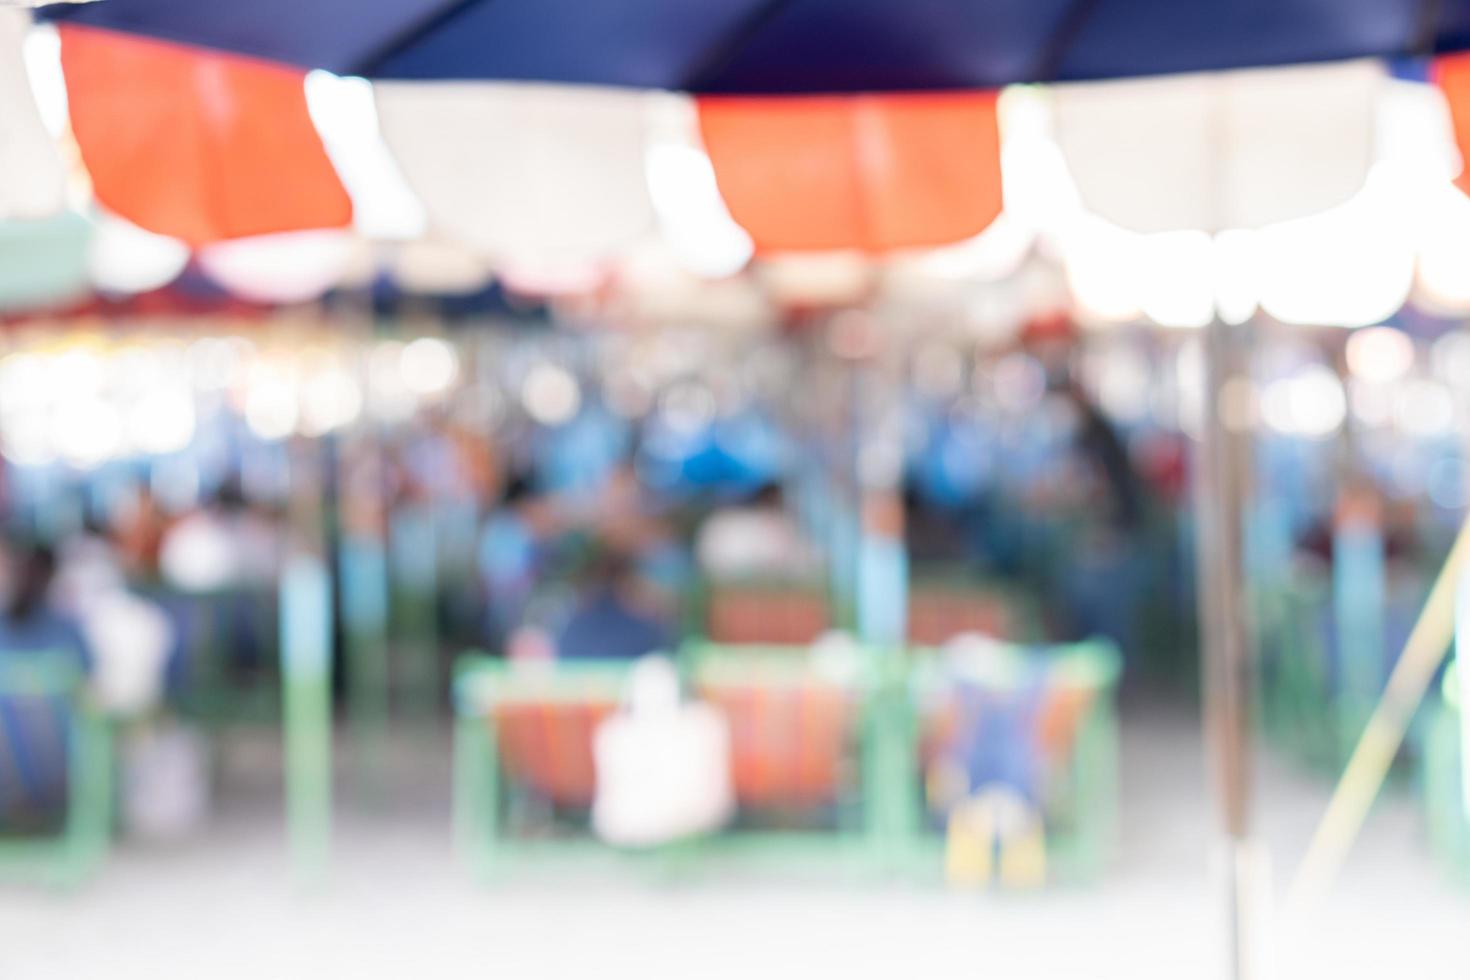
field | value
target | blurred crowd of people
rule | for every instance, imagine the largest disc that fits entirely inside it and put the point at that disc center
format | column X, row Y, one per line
column 593, row 538
column 558, row 544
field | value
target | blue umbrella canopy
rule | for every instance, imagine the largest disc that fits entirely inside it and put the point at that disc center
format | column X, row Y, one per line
column 780, row 46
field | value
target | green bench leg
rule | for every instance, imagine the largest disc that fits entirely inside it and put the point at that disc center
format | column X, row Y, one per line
column 476, row 794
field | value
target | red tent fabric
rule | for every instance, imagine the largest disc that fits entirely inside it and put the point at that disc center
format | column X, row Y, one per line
column 194, row 144
column 868, row 172
column 1452, row 74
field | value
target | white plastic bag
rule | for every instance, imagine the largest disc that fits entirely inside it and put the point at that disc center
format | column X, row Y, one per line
column 663, row 765
column 165, row 788
column 130, row 640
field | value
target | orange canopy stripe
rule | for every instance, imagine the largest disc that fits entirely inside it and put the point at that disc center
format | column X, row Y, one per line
column 1452, row 74
column 868, row 172
column 195, row 144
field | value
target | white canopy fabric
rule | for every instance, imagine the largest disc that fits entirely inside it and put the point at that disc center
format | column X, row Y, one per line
column 654, row 287
column 1417, row 135
column 346, row 118
column 32, row 178
column 436, row 268
column 1215, row 151
column 817, row 278
column 692, row 216
column 1349, row 267
column 531, row 175
column 1440, row 282
column 123, row 258
column 292, row 267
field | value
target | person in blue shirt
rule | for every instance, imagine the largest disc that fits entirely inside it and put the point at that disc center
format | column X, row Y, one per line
column 34, row 727
column 30, row 625
column 512, row 556
column 608, row 621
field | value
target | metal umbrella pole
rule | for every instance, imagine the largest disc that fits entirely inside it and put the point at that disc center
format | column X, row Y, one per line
column 1229, row 664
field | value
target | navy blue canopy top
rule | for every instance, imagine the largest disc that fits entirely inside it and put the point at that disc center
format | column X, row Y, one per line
column 790, row 46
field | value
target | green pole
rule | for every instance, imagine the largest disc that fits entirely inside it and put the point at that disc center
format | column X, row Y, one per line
column 882, row 592
column 306, row 635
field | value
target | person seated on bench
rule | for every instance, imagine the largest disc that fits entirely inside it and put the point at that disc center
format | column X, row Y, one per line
column 34, row 637
column 758, row 538
column 30, row 624
column 609, row 620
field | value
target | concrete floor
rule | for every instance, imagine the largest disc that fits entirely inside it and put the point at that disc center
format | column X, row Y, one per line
column 394, row 905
